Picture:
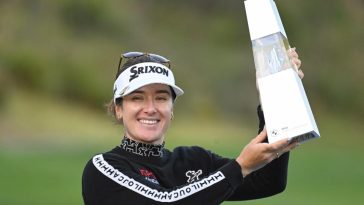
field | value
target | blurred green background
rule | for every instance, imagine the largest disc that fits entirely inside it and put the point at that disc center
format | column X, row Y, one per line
column 57, row 65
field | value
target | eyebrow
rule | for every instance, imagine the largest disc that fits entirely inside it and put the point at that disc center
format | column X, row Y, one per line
column 163, row 91
column 157, row 92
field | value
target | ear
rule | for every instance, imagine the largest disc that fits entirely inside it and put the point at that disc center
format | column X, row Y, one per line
column 119, row 113
column 172, row 115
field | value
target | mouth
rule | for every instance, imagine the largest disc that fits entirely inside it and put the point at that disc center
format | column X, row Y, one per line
column 148, row 121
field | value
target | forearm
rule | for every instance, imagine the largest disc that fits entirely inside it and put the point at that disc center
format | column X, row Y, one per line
column 274, row 173
column 264, row 175
column 264, row 182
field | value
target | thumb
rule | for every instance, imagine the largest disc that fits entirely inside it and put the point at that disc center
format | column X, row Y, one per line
column 261, row 137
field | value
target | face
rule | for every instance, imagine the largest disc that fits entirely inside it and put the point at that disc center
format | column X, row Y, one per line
column 147, row 113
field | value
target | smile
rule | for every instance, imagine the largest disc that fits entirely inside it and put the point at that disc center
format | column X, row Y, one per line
column 148, row 122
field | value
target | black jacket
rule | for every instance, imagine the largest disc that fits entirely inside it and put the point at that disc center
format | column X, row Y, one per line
column 137, row 173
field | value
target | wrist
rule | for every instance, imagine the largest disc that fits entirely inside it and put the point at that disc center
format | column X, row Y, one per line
column 244, row 171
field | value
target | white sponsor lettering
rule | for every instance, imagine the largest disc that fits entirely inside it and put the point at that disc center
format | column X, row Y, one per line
column 161, row 196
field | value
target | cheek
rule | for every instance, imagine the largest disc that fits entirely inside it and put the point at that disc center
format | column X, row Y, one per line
column 167, row 111
column 124, row 113
column 127, row 113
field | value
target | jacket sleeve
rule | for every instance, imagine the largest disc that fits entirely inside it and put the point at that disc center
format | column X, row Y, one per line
column 267, row 181
column 104, row 184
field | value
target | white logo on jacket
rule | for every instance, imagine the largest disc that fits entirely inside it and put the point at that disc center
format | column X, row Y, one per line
column 193, row 175
column 164, row 195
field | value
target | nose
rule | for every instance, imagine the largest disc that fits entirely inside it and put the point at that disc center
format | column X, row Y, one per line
column 149, row 107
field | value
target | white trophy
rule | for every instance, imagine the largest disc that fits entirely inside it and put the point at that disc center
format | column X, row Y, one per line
column 286, row 108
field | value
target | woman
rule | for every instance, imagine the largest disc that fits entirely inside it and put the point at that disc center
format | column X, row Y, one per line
column 141, row 171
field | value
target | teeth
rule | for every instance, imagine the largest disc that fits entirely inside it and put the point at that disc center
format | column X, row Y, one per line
column 149, row 122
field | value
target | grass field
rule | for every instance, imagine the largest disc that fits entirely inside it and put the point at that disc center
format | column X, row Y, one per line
column 36, row 169
column 54, row 177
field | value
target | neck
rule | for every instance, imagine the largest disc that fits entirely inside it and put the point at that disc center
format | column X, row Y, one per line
column 142, row 149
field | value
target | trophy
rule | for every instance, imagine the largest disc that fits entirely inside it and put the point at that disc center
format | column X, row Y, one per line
column 287, row 112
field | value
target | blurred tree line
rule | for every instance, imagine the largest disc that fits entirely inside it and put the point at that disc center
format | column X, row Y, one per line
column 70, row 49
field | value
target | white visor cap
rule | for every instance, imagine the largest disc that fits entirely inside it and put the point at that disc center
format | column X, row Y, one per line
column 141, row 74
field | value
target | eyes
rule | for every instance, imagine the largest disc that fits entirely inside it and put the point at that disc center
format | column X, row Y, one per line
column 138, row 97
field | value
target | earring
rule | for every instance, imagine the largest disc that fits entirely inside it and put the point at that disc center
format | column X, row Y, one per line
column 172, row 116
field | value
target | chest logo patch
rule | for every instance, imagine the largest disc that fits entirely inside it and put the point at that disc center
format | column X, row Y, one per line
column 193, row 175
column 148, row 175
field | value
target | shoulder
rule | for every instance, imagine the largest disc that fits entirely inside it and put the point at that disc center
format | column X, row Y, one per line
column 93, row 177
column 193, row 153
column 103, row 167
column 105, row 160
column 104, row 174
column 196, row 154
column 190, row 150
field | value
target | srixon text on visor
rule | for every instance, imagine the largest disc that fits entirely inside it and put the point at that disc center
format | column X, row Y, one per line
column 136, row 71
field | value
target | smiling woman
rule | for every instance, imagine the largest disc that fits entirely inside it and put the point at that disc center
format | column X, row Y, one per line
column 123, row 79
column 146, row 113
column 144, row 92
column 141, row 171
